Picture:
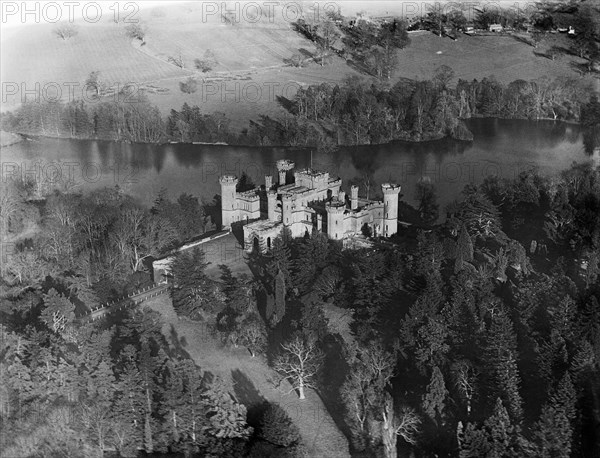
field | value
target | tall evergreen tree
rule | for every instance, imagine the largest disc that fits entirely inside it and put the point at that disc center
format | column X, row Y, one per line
column 192, row 289
column 434, row 401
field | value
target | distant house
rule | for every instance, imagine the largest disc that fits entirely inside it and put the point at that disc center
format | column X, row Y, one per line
column 496, row 28
column 470, row 30
column 571, row 31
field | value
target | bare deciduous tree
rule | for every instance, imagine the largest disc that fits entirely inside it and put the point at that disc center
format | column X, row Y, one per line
column 404, row 424
column 177, row 60
column 136, row 31
column 299, row 363
column 66, row 31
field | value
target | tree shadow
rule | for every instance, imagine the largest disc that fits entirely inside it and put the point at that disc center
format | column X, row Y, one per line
column 542, row 54
column 286, row 103
column 213, row 209
column 521, row 39
column 333, row 374
column 247, row 394
column 178, row 344
column 306, row 53
column 358, row 67
column 580, row 67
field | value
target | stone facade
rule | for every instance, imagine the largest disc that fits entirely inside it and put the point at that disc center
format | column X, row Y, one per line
column 313, row 202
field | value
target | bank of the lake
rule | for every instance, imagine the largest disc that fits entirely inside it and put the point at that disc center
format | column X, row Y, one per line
column 500, row 147
column 9, row 138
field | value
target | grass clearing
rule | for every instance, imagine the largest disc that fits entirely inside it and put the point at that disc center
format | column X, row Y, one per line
column 251, row 380
column 475, row 57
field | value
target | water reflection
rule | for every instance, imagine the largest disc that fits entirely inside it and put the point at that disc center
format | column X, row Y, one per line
column 501, row 147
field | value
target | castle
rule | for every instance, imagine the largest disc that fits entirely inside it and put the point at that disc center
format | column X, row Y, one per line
column 313, row 202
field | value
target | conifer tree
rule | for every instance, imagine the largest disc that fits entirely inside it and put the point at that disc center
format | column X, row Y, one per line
column 280, row 288
column 192, row 288
column 281, row 260
column 464, row 248
column 502, row 371
column 277, row 427
column 434, row 401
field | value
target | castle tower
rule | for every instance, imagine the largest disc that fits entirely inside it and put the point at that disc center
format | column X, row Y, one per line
column 342, row 196
column 283, row 166
column 271, row 204
column 390, row 208
column 335, row 219
column 228, row 200
column 268, row 182
column 354, row 197
column 286, row 209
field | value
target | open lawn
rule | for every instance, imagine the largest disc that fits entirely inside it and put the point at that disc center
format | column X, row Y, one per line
column 252, row 381
column 251, row 70
column 506, row 57
column 33, row 54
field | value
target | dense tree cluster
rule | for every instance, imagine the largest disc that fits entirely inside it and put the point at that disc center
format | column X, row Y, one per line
column 481, row 340
column 421, row 110
column 81, row 391
column 77, row 388
column 353, row 112
column 99, row 238
column 128, row 117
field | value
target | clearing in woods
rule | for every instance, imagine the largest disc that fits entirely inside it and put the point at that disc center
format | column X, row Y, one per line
column 252, row 381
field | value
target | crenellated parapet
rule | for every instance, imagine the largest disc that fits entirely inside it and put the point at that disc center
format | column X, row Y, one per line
column 335, row 207
column 285, row 165
column 228, row 180
column 389, row 189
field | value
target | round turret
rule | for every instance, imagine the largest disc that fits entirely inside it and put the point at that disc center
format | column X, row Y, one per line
column 228, row 200
column 335, row 219
column 390, row 208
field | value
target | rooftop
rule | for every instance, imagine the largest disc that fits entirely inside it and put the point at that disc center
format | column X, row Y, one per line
column 313, row 173
column 263, row 225
column 293, row 189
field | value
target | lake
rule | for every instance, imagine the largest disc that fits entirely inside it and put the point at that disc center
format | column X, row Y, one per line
column 501, row 147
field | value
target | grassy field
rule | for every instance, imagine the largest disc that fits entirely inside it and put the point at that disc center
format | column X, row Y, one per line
column 252, row 381
column 34, row 55
column 506, row 57
column 251, row 59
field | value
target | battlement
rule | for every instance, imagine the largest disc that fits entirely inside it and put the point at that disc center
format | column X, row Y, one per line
column 285, row 165
column 248, row 195
column 335, row 206
column 390, row 189
column 228, row 180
